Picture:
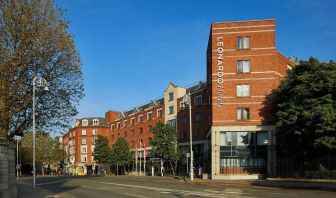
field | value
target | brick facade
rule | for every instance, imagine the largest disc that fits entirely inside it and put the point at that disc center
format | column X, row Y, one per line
column 232, row 111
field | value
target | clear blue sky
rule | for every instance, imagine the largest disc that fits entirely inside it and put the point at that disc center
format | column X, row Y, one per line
column 131, row 50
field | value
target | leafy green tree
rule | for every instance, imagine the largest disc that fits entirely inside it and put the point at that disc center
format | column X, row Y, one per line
column 43, row 149
column 121, row 154
column 57, row 153
column 34, row 41
column 164, row 143
column 306, row 115
column 102, row 152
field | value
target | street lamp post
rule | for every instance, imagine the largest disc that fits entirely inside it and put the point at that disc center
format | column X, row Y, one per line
column 37, row 82
column 17, row 138
column 187, row 101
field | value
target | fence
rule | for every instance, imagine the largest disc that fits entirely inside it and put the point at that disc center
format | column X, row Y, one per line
column 324, row 168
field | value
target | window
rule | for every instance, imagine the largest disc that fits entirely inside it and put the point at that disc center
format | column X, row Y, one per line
column 184, row 120
column 125, row 134
column 150, row 128
column 243, row 114
column 132, row 121
column 125, row 123
column 132, row 143
column 243, row 90
column 159, row 113
column 172, row 122
column 83, row 158
column 112, row 127
column 182, row 134
column 171, row 96
column 171, row 109
column 84, row 132
column 94, row 131
column 118, row 125
column 140, row 118
column 198, row 117
column 243, row 42
column 95, row 122
column 112, row 137
column 198, row 101
column 84, row 141
column 243, row 66
column 149, row 139
column 149, row 116
column 83, row 149
column 197, row 132
column 140, row 130
column 94, row 140
column 132, row 133
column 85, row 122
column 262, row 138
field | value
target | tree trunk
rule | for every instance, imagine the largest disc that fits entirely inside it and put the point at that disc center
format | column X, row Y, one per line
column 171, row 166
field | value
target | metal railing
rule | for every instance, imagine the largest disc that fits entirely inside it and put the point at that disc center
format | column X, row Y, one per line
column 323, row 168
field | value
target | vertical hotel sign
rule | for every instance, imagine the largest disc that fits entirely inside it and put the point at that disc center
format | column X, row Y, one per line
column 219, row 52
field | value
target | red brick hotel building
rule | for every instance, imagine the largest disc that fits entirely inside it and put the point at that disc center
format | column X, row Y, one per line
column 233, row 136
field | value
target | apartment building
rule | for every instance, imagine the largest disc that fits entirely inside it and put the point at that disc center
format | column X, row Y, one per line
column 243, row 68
column 232, row 112
column 79, row 143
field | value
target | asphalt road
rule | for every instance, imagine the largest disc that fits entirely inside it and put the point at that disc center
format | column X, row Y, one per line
column 148, row 187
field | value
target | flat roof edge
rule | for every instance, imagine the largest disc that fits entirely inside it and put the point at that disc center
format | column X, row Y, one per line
column 245, row 21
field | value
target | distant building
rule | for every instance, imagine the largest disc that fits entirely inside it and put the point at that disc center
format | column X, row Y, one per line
column 80, row 141
column 232, row 113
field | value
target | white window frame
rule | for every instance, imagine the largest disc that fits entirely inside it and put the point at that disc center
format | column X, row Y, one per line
column 84, row 132
column 132, row 121
column 85, row 122
column 139, row 121
column 195, row 98
column 149, row 113
column 118, row 125
column 95, row 122
column 243, row 113
column 243, row 42
column 84, row 147
column 94, row 131
column 94, row 141
column 245, row 66
column 112, row 127
column 83, row 142
column 125, row 125
column 157, row 113
column 243, row 90
column 85, row 157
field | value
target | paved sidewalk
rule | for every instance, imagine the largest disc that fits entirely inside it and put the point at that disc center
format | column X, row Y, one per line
column 26, row 190
column 329, row 185
column 320, row 184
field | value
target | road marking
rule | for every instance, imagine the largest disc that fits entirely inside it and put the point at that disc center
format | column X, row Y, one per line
column 285, row 194
column 47, row 183
column 232, row 192
column 165, row 192
column 159, row 189
column 87, row 187
column 134, row 195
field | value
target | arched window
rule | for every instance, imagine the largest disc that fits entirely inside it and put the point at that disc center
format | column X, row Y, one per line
column 95, row 122
column 85, row 122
